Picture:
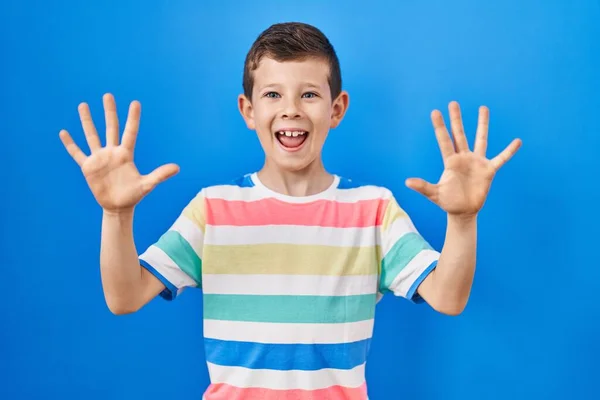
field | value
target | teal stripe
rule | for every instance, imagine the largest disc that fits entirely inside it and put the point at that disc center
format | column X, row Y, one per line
column 290, row 309
column 399, row 256
column 180, row 251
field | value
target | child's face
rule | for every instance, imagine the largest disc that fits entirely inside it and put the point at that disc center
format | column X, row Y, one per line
column 292, row 111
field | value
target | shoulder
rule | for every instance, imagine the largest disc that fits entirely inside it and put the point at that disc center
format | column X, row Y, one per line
column 363, row 190
column 235, row 188
column 374, row 195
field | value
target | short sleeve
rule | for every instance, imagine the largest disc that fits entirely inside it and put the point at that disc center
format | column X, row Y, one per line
column 406, row 258
column 176, row 257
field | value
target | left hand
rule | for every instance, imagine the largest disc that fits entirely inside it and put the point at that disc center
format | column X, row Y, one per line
column 467, row 177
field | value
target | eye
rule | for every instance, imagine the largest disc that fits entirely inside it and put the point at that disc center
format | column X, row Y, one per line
column 309, row 95
column 272, row 95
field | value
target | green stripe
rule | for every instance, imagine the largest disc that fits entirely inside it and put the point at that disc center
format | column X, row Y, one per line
column 399, row 256
column 290, row 309
column 182, row 253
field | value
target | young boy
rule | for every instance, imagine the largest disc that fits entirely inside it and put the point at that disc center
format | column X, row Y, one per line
column 291, row 259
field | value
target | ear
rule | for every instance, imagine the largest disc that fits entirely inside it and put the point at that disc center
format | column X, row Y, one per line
column 339, row 108
column 245, row 107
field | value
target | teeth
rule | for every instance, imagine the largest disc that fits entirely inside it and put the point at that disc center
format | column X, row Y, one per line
column 290, row 133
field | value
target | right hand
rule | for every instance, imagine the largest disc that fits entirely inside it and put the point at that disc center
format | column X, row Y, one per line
column 110, row 171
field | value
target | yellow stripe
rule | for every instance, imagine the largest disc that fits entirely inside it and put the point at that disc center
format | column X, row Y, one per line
column 195, row 211
column 290, row 259
column 392, row 213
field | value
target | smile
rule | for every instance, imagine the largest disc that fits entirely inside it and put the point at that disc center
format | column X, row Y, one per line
column 291, row 139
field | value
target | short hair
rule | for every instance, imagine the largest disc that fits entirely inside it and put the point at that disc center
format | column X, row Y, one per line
column 292, row 41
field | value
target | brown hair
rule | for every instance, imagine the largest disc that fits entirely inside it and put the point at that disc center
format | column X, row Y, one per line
column 292, row 41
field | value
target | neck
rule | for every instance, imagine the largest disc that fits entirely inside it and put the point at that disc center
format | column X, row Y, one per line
column 306, row 182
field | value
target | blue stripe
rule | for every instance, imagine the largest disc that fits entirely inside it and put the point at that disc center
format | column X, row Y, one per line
column 412, row 294
column 286, row 357
column 170, row 291
column 243, row 181
column 346, row 183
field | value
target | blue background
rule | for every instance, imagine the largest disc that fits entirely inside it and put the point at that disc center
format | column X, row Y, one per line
column 532, row 327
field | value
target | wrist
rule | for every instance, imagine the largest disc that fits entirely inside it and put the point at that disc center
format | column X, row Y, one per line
column 122, row 214
column 462, row 220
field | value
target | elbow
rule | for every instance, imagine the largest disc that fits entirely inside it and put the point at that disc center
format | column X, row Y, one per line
column 121, row 307
column 452, row 309
column 121, row 310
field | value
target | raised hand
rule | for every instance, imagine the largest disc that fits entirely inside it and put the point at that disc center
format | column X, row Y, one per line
column 467, row 177
column 110, row 171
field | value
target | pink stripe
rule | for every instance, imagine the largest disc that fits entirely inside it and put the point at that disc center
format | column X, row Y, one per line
column 223, row 391
column 358, row 214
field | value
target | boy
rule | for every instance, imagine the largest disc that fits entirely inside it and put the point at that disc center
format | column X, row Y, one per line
column 291, row 259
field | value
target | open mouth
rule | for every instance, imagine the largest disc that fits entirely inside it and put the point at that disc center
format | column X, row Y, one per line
column 291, row 140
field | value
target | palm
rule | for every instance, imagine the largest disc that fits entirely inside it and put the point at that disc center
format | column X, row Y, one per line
column 464, row 183
column 467, row 177
column 110, row 171
column 113, row 178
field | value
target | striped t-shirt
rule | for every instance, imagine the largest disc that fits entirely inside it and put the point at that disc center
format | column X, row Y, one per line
column 290, row 284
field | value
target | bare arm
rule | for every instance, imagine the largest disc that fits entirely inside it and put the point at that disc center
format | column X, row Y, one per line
column 127, row 285
column 118, row 187
column 461, row 192
column 448, row 286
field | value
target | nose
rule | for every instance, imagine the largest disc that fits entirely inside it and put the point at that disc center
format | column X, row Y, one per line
column 291, row 110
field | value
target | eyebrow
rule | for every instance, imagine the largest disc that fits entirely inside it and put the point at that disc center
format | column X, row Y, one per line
column 278, row 85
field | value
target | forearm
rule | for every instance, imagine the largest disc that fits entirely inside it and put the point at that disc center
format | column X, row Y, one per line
column 119, row 263
column 453, row 277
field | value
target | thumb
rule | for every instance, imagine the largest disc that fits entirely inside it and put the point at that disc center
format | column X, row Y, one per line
column 421, row 186
column 158, row 176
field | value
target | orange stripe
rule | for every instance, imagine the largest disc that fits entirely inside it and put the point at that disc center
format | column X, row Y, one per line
column 222, row 391
column 359, row 214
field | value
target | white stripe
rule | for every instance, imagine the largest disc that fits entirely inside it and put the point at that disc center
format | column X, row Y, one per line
column 281, row 333
column 266, row 284
column 191, row 232
column 400, row 227
column 291, row 234
column 412, row 271
column 161, row 262
column 236, row 193
column 282, row 380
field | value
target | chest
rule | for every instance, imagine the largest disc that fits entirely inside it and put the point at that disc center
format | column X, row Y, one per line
column 321, row 251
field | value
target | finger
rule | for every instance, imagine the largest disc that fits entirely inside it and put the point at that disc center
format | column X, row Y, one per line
column 507, row 153
column 91, row 135
column 481, row 137
column 460, row 140
column 73, row 150
column 132, row 125
column 441, row 134
column 112, row 121
column 158, row 176
column 421, row 186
